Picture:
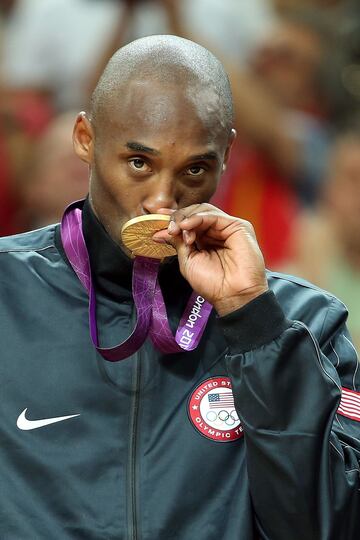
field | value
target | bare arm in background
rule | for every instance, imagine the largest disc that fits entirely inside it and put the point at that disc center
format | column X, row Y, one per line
column 259, row 118
column 116, row 40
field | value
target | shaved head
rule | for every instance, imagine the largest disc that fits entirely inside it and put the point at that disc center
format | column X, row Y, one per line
column 168, row 61
column 159, row 131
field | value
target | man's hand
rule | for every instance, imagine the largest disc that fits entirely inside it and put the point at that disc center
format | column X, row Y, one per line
column 218, row 255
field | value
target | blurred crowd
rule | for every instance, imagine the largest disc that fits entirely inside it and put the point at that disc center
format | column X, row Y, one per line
column 294, row 66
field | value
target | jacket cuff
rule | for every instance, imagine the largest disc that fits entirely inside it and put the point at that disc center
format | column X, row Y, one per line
column 259, row 322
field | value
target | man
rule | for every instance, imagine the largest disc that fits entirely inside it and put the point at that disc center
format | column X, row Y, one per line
column 244, row 437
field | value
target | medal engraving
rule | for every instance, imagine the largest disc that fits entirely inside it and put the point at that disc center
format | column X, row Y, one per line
column 137, row 236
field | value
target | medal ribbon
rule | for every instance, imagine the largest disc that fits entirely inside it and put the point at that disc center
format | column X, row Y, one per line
column 149, row 302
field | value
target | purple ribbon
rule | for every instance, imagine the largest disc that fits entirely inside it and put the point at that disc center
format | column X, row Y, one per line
column 149, row 302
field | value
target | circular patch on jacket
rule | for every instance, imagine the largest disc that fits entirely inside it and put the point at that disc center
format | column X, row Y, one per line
column 211, row 410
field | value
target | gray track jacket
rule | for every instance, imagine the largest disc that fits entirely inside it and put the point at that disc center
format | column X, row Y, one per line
column 243, row 438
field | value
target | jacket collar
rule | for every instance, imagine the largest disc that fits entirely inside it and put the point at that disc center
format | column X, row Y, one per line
column 111, row 268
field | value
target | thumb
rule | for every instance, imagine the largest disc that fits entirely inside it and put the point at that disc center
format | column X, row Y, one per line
column 183, row 249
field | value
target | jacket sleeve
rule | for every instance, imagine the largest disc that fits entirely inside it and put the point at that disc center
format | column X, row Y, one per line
column 302, row 453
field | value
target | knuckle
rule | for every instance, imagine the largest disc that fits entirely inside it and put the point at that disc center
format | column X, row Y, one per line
column 248, row 225
column 178, row 215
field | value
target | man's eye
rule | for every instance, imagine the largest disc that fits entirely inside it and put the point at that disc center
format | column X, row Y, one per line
column 139, row 164
column 195, row 171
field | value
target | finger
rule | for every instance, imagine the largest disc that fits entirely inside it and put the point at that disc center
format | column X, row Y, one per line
column 198, row 222
column 202, row 218
column 202, row 241
column 220, row 227
column 184, row 252
column 183, row 249
column 166, row 211
column 189, row 237
column 163, row 237
column 179, row 215
column 204, row 222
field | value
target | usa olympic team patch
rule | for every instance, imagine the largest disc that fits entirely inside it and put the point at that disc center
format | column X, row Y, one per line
column 212, row 411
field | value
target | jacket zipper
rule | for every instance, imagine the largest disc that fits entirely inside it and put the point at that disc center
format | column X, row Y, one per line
column 132, row 463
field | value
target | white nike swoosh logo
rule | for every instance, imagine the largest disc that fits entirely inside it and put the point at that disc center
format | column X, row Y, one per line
column 25, row 424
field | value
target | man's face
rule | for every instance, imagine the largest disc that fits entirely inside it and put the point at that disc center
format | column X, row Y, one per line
column 156, row 147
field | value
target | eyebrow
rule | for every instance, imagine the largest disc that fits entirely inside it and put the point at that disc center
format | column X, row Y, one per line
column 138, row 147
column 207, row 156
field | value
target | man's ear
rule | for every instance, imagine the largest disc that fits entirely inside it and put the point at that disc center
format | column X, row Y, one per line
column 232, row 138
column 83, row 138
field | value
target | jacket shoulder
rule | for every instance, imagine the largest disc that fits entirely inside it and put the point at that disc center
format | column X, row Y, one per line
column 304, row 301
column 37, row 240
column 279, row 280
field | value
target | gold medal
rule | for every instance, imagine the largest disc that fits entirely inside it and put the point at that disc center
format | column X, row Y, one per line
column 137, row 236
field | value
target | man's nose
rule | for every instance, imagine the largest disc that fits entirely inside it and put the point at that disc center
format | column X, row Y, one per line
column 161, row 194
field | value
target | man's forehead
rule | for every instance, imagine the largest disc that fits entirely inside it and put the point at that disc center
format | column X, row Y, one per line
column 149, row 92
column 152, row 105
column 183, row 73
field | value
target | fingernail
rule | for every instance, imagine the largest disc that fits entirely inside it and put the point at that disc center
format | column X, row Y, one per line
column 186, row 236
column 171, row 227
